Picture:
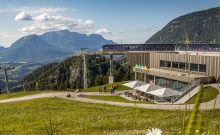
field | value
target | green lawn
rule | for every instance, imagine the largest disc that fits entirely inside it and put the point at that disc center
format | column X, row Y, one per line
column 209, row 94
column 69, row 117
column 20, row 94
column 116, row 99
column 96, row 88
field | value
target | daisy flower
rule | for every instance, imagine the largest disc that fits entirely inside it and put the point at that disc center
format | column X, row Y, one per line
column 154, row 131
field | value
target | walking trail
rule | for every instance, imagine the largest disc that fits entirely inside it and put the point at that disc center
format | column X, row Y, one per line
column 74, row 96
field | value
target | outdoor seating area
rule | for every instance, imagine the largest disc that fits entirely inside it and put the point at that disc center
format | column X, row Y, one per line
column 139, row 96
column 150, row 92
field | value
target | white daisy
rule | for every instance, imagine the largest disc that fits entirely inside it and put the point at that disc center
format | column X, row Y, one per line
column 154, row 131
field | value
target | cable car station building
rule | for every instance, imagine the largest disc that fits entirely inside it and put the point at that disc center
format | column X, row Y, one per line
column 169, row 65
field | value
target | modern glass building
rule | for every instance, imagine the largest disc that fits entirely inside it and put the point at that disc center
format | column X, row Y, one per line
column 170, row 65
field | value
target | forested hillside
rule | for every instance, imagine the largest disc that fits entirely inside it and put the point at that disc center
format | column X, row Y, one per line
column 69, row 74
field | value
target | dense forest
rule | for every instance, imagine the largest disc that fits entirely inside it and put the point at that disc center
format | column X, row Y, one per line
column 69, row 73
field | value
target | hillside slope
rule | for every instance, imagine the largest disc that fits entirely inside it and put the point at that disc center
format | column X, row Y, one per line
column 202, row 26
column 69, row 74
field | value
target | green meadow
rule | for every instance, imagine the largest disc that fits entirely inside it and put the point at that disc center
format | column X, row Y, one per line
column 51, row 116
column 209, row 94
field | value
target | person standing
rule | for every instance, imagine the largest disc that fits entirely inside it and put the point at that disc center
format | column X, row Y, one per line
column 105, row 89
column 112, row 89
column 100, row 90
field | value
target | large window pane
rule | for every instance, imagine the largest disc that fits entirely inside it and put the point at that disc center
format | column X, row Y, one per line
column 183, row 65
column 202, row 68
column 194, row 67
column 162, row 63
column 165, row 63
column 168, row 83
column 168, row 64
column 175, row 65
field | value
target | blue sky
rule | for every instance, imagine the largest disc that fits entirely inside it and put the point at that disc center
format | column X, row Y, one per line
column 126, row 21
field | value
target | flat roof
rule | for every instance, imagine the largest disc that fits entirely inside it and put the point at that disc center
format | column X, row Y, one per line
column 200, row 53
column 181, row 52
column 201, row 47
column 174, row 75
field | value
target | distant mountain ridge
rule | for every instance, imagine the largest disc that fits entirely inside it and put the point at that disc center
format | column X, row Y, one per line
column 73, row 40
column 32, row 48
column 202, row 27
column 2, row 48
column 50, row 45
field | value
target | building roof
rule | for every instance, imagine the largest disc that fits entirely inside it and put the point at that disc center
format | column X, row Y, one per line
column 200, row 47
column 147, row 87
column 200, row 53
column 164, row 92
column 174, row 75
column 134, row 84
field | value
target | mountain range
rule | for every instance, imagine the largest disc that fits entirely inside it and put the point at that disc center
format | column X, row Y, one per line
column 202, row 27
column 2, row 49
column 50, row 46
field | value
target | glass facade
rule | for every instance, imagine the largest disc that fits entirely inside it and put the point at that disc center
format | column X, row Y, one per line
column 164, row 63
column 183, row 66
column 175, row 65
column 194, row 67
column 168, row 83
column 202, row 68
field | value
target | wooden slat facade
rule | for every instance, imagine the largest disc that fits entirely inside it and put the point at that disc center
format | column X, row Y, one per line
column 152, row 59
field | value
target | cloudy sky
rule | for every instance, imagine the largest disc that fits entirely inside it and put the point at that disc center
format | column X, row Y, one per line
column 124, row 21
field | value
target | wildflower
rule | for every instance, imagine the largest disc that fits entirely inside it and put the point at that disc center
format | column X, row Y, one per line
column 154, row 131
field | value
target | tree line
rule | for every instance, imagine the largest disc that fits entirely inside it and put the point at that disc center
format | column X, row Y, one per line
column 69, row 73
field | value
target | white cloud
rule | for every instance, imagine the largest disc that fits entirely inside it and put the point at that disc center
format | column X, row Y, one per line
column 23, row 16
column 45, row 22
column 103, row 31
column 33, row 10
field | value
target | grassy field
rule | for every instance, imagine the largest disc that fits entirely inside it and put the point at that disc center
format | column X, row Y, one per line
column 96, row 88
column 67, row 117
column 116, row 99
column 20, row 94
column 209, row 94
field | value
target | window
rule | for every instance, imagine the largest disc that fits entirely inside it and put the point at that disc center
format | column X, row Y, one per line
column 194, row 67
column 184, row 66
column 165, row 63
column 202, row 68
column 175, row 65
column 162, row 63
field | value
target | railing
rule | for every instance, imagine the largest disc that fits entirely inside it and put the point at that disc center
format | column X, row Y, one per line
column 160, row 47
column 186, row 90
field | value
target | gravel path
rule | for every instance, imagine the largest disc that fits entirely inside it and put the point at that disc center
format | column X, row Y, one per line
column 203, row 106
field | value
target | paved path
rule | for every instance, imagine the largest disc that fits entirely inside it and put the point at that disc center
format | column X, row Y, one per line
column 203, row 106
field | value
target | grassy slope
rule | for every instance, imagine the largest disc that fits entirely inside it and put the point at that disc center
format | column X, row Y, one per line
column 209, row 94
column 20, row 94
column 28, row 117
column 96, row 88
column 116, row 99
